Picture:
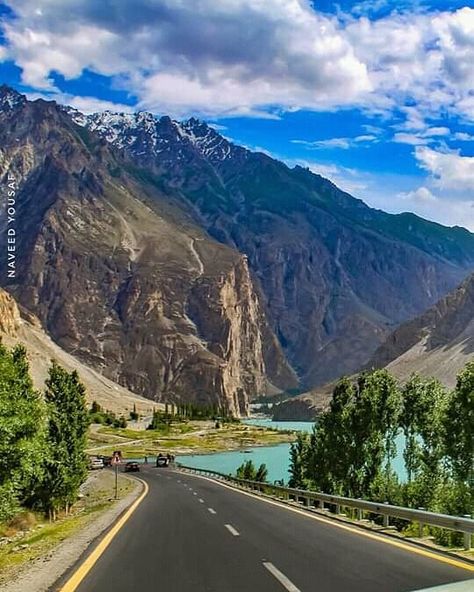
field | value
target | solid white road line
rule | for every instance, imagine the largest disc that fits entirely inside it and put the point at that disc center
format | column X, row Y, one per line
column 201, row 501
column 194, row 493
column 212, row 511
column 284, row 581
column 231, row 529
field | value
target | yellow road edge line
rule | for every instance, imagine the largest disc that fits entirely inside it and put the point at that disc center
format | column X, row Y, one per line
column 85, row 567
column 354, row 529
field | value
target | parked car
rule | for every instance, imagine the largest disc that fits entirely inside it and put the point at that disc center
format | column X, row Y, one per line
column 95, row 463
column 131, row 466
column 107, row 460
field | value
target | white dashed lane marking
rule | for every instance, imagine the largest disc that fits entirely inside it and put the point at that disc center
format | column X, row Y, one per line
column 231, row 529
column 284, row 581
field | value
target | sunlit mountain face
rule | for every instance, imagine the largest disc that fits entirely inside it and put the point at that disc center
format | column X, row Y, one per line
column 149, row 243
column 375, row 95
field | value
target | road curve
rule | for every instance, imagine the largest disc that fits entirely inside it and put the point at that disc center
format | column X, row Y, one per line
column 193, row 535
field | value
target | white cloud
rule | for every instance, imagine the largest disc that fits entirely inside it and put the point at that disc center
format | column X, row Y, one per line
column 205, row 56
column 420, row 137
column 450, row 170
column 422, row 194
column 83, row 104
column 251, row 56
column 412, row 139
column 464, row 137
column 341, row 143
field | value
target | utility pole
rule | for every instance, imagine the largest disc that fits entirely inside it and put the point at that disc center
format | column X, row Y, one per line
column 116, row 480
column 116, row 461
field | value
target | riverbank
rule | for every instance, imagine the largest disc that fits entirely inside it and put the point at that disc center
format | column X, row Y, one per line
column 180, row 438
column 34, row 552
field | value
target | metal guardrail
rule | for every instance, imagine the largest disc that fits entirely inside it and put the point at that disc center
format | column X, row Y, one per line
column 464, row 525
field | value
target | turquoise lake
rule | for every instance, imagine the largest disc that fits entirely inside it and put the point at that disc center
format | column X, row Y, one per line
column 275, row 457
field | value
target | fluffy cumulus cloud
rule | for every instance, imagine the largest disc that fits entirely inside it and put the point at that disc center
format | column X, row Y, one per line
column 236, row 56
column 248, row 56
column 450, row 170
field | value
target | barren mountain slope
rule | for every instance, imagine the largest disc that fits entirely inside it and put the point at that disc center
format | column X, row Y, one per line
column 18, row 327
column 120, row 278
column 437, row 343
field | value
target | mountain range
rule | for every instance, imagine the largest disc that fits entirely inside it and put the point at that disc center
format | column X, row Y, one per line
column 185, row 267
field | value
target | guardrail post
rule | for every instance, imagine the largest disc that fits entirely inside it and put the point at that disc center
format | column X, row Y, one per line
column 360, row 514
column 467, row 536
column 421, row 526
column 338, row 509
column 306, row 501
column 386, row 518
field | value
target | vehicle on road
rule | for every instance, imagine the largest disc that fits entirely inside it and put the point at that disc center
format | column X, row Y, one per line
column 107, row 460
column 131, row 466
column 162, row 461
column 95, row 463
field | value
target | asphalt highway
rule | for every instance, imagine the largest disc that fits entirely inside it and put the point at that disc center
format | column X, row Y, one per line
column 193, row 535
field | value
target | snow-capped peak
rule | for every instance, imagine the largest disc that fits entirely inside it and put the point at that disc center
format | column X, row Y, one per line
column 10, row 98
column 144, row 134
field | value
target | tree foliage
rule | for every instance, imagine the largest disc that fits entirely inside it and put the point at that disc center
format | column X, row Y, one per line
column 66, row 466
column 248, row 471
column 353, row 444
column 42, row 438
column 22, row 424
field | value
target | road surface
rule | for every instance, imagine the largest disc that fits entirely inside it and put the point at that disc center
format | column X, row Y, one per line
column 193, row 535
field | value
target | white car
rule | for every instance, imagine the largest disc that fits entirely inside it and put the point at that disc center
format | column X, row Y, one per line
column 96, row 463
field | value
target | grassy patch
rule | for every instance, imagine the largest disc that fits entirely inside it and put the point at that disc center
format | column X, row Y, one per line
column 43, row 536
column 190, row 436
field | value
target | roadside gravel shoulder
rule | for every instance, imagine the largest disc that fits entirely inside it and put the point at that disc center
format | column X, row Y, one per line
column 42, row 573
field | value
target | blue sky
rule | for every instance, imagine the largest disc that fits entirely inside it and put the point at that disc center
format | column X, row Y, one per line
column 377, row 95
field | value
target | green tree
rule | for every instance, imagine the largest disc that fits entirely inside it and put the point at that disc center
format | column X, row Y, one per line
column 22, row 427
column 298, row 452
column 66, row 466
column 374, row 426
column 459, row 434
column 328, row 459
column 262, row 473
column 248, row 471
column 134, row 414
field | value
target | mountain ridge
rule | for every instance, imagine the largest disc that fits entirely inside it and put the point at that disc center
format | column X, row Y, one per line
column 329, row 276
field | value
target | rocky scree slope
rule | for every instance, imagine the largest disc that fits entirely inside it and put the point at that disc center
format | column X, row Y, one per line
column 123, row 279
column 437, row 343
column 336, row 276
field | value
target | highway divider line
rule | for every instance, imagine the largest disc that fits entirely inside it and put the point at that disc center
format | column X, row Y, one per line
column 201, row 501
column 354, row 529
column 211, row 510
column 85, row 567
column 231, row 529
column 284, row 581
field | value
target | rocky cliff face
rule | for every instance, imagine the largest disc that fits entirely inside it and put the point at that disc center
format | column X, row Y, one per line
column 437, row 343
column 336, row 276
column 306, row 407
column 124, row 280
column 18, row 326
column 10, row 319
column 187, row 268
